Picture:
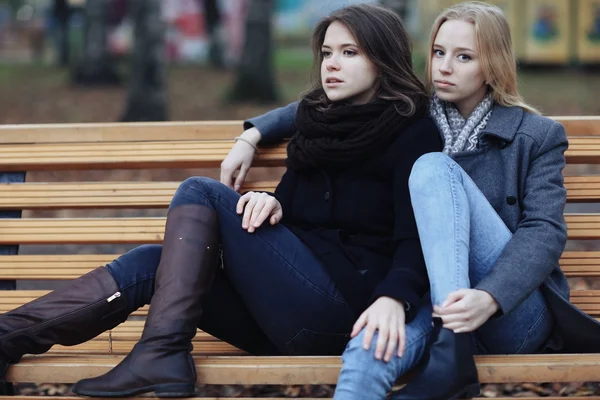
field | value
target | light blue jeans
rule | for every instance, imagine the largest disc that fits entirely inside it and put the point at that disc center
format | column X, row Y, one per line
column 462, row 237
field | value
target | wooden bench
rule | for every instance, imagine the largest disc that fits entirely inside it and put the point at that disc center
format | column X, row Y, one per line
column 205, row 144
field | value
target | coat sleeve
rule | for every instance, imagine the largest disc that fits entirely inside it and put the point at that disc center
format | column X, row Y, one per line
column 407, row 278
column 275, row 125
column 540, row 236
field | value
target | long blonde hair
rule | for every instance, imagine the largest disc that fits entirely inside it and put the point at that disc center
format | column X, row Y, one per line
column 494, row 45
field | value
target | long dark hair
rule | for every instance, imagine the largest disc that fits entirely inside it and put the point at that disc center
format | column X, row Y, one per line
column 381, row 35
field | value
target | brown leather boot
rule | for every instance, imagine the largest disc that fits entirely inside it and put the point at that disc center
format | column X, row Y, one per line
column 161, row 360
column 78, row 312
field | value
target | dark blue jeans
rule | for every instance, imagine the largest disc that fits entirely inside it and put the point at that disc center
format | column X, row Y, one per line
column 272, row 296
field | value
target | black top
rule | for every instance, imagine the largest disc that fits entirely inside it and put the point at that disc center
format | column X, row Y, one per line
column 359, row 220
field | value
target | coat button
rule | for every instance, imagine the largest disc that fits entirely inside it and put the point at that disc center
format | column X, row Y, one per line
column 502, row 144
column 511, row 200
column 327, row 196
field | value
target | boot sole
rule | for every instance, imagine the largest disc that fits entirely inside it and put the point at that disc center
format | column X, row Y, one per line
column 166, row 390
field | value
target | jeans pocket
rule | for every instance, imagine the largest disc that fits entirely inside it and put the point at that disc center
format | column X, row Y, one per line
column 308, row 342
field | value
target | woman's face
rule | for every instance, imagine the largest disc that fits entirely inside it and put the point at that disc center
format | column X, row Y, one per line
column 346, row 72
column 456, row 67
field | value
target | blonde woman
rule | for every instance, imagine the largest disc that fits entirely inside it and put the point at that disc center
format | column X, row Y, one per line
column 489, row 211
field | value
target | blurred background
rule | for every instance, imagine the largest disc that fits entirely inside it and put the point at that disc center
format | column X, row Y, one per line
column 152, row 60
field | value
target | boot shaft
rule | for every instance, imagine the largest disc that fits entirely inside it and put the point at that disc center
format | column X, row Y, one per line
column 80, row 311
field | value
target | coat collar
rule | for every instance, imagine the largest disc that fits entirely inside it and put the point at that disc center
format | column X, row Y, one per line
column 504, row 122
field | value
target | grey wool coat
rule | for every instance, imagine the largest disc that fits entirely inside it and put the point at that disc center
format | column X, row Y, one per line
column 519, row 170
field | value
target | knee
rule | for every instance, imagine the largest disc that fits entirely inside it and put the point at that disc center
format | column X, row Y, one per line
column 195, row 190
column 357, row 359
column 140, row 261
column 427, row 171
column 198, row 184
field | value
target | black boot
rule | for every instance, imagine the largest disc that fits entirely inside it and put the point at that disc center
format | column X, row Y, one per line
column 448, row 371
column 74, row 314
column 161, row 360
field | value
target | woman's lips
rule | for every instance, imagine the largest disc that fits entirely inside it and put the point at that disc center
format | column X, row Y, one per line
column 443, row 84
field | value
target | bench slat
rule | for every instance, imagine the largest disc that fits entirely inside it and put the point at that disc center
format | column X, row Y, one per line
column 96, row 194
column 308, row 370
column 120, row 132
column 587, row 300
column 179, row 154
column 193, row 130
column 70, row 266
column 127, row 155
column 150, row 230
column 159, row 194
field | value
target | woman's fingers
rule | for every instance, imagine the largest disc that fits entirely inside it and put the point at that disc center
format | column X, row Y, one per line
column 369, row 333
column 259, row 206
column 248, row 212
column 401, row 338
column 392, row 343
column 382, row 339
column 241, row 177
column 241, row 204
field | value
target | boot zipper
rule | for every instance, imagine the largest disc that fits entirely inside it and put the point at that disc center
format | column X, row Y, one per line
column 63, row 317
column 114, row 296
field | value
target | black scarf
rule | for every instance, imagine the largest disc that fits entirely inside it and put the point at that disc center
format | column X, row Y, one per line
column 342, row 134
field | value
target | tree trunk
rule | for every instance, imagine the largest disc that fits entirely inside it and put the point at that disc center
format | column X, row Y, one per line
column 146, row 100
column 62, row 15
column 212, row 19
column 255, row 77
column 97, row 66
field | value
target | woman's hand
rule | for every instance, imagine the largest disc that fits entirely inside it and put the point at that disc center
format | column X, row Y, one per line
column 385, row 315
column 239, row 159
column 465, row 310
column 257, row 207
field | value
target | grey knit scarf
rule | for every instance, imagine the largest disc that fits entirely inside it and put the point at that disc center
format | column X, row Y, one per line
column 460, row 134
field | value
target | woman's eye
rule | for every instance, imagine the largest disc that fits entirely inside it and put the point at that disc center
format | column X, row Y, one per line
column 438, row 52
column 464, row 57
column 325, row 53
column 349, row 52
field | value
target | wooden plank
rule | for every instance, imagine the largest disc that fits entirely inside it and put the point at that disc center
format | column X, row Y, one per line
column 193, row 130
column 179, row 154
column 587, row 300
column 73, row 230
column 96, row 194
column 582, row 188
column 128, row 155
column 308, row 370
column 119, row 132
column 581, row 264
column 580, row 125
column 82, row 195
column 71, row 266
column 150, row 230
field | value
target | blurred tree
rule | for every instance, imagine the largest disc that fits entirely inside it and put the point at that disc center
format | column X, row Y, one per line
column 62, row 14
column 212, row 18
column 400, row 6
column 97, row 66
column 255, row 77
column 146, row 100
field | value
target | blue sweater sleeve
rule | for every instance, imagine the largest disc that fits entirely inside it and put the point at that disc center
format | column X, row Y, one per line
column 275, row 125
